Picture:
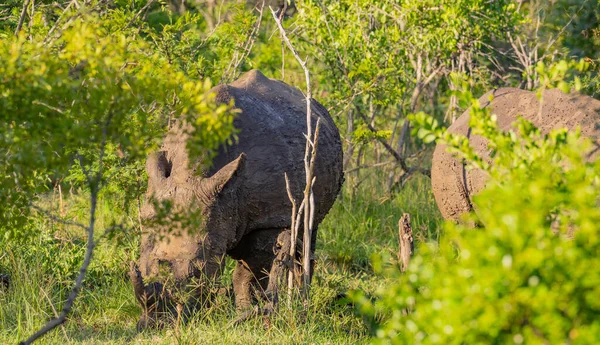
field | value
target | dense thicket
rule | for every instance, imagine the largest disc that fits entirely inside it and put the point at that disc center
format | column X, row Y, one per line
column 87, row 89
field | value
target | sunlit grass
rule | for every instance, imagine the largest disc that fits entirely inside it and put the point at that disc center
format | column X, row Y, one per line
column 43, row 268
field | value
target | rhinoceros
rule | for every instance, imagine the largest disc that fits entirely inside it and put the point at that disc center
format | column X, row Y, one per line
column 453, row 185
column 241, row 198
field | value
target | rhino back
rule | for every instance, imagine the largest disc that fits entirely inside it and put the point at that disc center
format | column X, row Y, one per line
column 453, row 185
column 271, row 126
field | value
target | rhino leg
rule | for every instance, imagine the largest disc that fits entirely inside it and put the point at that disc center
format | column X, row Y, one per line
column 255, row 257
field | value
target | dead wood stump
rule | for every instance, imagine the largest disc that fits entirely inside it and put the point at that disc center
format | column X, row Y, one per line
column 405, row 241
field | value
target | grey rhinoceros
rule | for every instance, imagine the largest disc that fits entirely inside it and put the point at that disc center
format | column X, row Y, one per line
column 453, row 185
column 242, row 198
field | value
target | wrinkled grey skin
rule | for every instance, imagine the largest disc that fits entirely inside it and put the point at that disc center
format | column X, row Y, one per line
column 242, row 199
column 453, row 185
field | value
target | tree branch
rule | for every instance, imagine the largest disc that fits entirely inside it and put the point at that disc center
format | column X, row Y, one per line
column 95, row 185
column 82, row 272
column 309, row 160
column 293, row 236
column 238, row 58
column 366, row 167
column 22, row 17
column 397, row 156
column 142, row 10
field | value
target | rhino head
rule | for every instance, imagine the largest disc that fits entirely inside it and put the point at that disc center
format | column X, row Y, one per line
column 191, row 253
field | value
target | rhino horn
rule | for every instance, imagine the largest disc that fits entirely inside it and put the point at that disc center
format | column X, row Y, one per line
column 216, row 183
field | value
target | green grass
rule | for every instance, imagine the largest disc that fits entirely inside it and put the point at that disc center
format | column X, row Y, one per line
column 358, row 227
column 43, row 268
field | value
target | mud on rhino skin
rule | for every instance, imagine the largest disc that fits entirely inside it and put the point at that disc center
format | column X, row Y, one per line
column 453, row 186
column 242, row 198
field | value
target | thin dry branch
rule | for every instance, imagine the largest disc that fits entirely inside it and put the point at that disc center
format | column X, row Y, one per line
column 309, row 159
column 397, row 156
column 22, row 17
column 95, row 184
column 62, row 327
column 293, row 235
column 367, row 167
column 238, row 57
column 309, row 213
column 82, row 272
column 139, row 13
column 420, row 85
column 71, row 19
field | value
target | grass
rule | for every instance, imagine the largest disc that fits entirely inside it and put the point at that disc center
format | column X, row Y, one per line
column 43, row 268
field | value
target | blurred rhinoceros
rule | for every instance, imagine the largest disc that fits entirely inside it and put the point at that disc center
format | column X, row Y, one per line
column 453, row 185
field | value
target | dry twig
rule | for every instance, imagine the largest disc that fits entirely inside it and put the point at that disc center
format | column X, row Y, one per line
column 293, row 235
column 95, row 183
column 22, row 17
column 309, row 160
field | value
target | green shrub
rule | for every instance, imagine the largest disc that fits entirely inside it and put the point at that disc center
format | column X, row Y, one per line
column 530, row 273
column 97, row 100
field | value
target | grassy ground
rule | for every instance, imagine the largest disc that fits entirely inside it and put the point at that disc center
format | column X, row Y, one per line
column 43, row 268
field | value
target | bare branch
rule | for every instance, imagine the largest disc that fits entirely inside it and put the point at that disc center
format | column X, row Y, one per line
column 82, row 272
column 397, row 156
column 420, row 85
column 58, row 110
column 22, row 17
column 309, row 214
column 59, row 20
column 293, row 236
column 62, row 327
column 246, row 48
column 367, row 167
column 95, row 185
column 308, row 162
column 142, row 10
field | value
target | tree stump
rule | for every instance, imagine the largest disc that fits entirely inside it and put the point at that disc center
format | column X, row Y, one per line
column 405, row 240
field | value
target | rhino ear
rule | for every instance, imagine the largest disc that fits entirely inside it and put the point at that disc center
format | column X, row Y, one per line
column 158, row 166
column 228, row 174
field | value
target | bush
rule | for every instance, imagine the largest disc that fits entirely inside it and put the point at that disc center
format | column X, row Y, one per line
column 529, row 275
column 96, row 99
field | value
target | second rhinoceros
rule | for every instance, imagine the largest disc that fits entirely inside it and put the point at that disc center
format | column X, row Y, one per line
column 242, row 198
column 453, row 185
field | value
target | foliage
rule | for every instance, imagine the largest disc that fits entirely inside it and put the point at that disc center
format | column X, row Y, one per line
column 198, row 50
column 87, row 105
column 107, row 310
column 375, row 62
column 364, row 135
column 93, row 94
column 578, row 19
column 559, row 75
column 381, row 51
column 525, row 276
column 87, row 89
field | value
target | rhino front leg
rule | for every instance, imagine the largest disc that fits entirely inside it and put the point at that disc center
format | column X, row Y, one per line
column 255, row 257
column 246, row 280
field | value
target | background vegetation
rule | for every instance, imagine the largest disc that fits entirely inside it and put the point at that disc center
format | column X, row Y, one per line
column 87, row 88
